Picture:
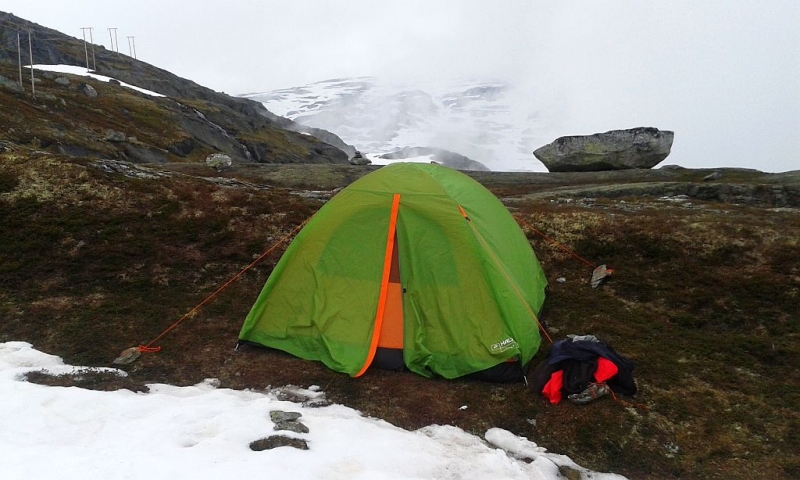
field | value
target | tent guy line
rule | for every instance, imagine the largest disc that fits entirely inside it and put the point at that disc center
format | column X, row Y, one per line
column 131, row 354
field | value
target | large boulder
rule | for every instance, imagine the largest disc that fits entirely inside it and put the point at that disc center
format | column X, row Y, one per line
column 219, row 161
column 642, row 147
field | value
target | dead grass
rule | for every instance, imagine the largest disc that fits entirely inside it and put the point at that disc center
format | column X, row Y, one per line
column 704, row 299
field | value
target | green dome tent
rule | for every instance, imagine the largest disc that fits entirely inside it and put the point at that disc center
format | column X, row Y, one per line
column 413, row 265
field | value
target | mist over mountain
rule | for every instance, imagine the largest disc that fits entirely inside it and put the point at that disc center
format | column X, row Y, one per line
column 487, row 121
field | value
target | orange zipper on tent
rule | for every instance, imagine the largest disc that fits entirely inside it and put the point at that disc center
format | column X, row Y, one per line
column 387, row 267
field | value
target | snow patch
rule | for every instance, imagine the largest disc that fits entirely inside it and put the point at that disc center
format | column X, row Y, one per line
column 85, row 72
column 73, row 433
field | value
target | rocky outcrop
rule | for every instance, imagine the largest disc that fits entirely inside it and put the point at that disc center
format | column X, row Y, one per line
column 636, row 148
column 323, row 135
column 143, row 154
column 359, row 159
column 438, row 155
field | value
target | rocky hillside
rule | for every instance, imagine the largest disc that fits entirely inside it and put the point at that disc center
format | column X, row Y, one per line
column 107, row 120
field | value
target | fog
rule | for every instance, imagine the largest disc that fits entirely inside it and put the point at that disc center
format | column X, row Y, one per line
column 722, row 74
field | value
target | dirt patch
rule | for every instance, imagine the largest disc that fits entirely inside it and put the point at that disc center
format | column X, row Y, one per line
column 88, row 378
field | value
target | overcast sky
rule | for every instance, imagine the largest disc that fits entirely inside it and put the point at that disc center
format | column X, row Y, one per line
column 723, row 74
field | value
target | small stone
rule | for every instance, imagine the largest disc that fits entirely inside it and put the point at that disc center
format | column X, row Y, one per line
column 276, row 441
column 599, row 274
column 291, row 426
column 88, row 90
column 281, row 416
column 129, row 355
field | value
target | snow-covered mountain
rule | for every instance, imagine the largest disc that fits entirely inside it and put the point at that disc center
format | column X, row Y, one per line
column 486, row 121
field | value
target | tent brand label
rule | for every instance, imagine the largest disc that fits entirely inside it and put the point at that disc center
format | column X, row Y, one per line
column 504, row 345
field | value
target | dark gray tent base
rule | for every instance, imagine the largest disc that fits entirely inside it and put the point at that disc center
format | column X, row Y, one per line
column 392, row 359
column 506, row 372
column 389, row 359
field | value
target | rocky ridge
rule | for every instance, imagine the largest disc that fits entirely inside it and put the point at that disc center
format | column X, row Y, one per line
column 198, row 121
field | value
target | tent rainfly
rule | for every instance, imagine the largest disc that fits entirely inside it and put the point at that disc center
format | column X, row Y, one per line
column 414, row 266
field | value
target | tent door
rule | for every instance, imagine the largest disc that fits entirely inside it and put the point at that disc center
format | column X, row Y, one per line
column 389, row 355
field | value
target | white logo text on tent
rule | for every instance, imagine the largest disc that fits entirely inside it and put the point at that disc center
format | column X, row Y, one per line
column 504, row 345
